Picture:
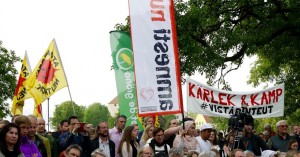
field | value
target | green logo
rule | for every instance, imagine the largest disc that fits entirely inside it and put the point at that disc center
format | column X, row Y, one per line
column 124, row 59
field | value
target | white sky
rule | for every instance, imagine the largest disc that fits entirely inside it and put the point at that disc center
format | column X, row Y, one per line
column 81, row 29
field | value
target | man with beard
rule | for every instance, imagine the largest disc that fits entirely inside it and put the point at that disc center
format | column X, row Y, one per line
column 102, row 142
column 116, row 133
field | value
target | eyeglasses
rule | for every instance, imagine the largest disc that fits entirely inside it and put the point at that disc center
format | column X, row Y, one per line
column 283, row 126
column 160, row 135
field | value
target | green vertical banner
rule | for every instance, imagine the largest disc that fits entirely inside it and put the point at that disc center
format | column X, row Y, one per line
column 123, row 64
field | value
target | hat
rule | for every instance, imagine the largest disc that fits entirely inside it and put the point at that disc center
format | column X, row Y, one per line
column 206, row 126
column 268, row 153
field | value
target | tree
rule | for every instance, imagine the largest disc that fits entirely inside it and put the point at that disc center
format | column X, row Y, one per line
column 65, row 110
column 215, row 36
column 220, row 123
column 8, row 80
column 96, row 113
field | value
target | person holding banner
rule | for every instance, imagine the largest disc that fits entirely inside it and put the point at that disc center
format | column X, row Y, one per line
column 187, row 140
column 171, row 132
column 157, row 143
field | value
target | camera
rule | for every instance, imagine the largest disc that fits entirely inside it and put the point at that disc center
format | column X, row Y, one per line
column 238, row 120
column 236, row 124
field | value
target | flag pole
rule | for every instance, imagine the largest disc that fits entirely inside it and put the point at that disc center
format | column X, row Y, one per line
column 65, row 77
column 48, row 115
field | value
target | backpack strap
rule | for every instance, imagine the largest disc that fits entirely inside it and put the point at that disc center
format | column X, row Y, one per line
column 166, row 149
column 152, row 145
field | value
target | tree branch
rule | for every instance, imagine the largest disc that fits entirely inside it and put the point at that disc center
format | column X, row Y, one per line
column 238, row 55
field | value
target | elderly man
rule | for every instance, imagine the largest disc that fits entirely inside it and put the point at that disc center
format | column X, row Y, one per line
column 42, row 143
column 41, row 131
column 280, row 141
column 205, row 131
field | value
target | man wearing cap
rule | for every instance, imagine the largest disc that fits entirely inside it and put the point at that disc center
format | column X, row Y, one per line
column 203, row 141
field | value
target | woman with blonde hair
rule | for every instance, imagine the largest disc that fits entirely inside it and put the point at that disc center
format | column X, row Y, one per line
column 128, row 146
column 146, row 152
column 147, row 134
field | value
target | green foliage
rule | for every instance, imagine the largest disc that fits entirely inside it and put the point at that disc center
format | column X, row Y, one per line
column 111, row 120
column 215, row 36
column 164, row 121
column 294, row 118
column 8, row 80
column 259, row 123
column 96, row 113
column 65, row 110
column 220, row 123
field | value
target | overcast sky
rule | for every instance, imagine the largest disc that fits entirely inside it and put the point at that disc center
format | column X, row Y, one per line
column 81, row 29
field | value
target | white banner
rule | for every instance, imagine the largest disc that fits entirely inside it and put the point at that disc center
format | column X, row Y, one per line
column 210, row 101
column 156, row 60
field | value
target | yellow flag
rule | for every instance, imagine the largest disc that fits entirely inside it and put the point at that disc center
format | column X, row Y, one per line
column 48, row 76
column 21, row 93
column 37, row 111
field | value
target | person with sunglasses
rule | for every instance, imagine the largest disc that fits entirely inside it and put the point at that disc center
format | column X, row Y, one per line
column 280, row 141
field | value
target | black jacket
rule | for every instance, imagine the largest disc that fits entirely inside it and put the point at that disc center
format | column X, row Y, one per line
column 257, row 143
column 40, row 145
column 94, row 144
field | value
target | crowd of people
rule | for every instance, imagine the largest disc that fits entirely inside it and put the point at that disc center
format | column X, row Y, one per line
column 25, row 136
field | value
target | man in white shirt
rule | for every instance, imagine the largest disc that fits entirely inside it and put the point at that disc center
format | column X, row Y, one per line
column 102, row 141
column 203, row 141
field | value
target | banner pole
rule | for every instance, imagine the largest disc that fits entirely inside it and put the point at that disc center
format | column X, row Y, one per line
column 48, row 115
column 65, row 76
